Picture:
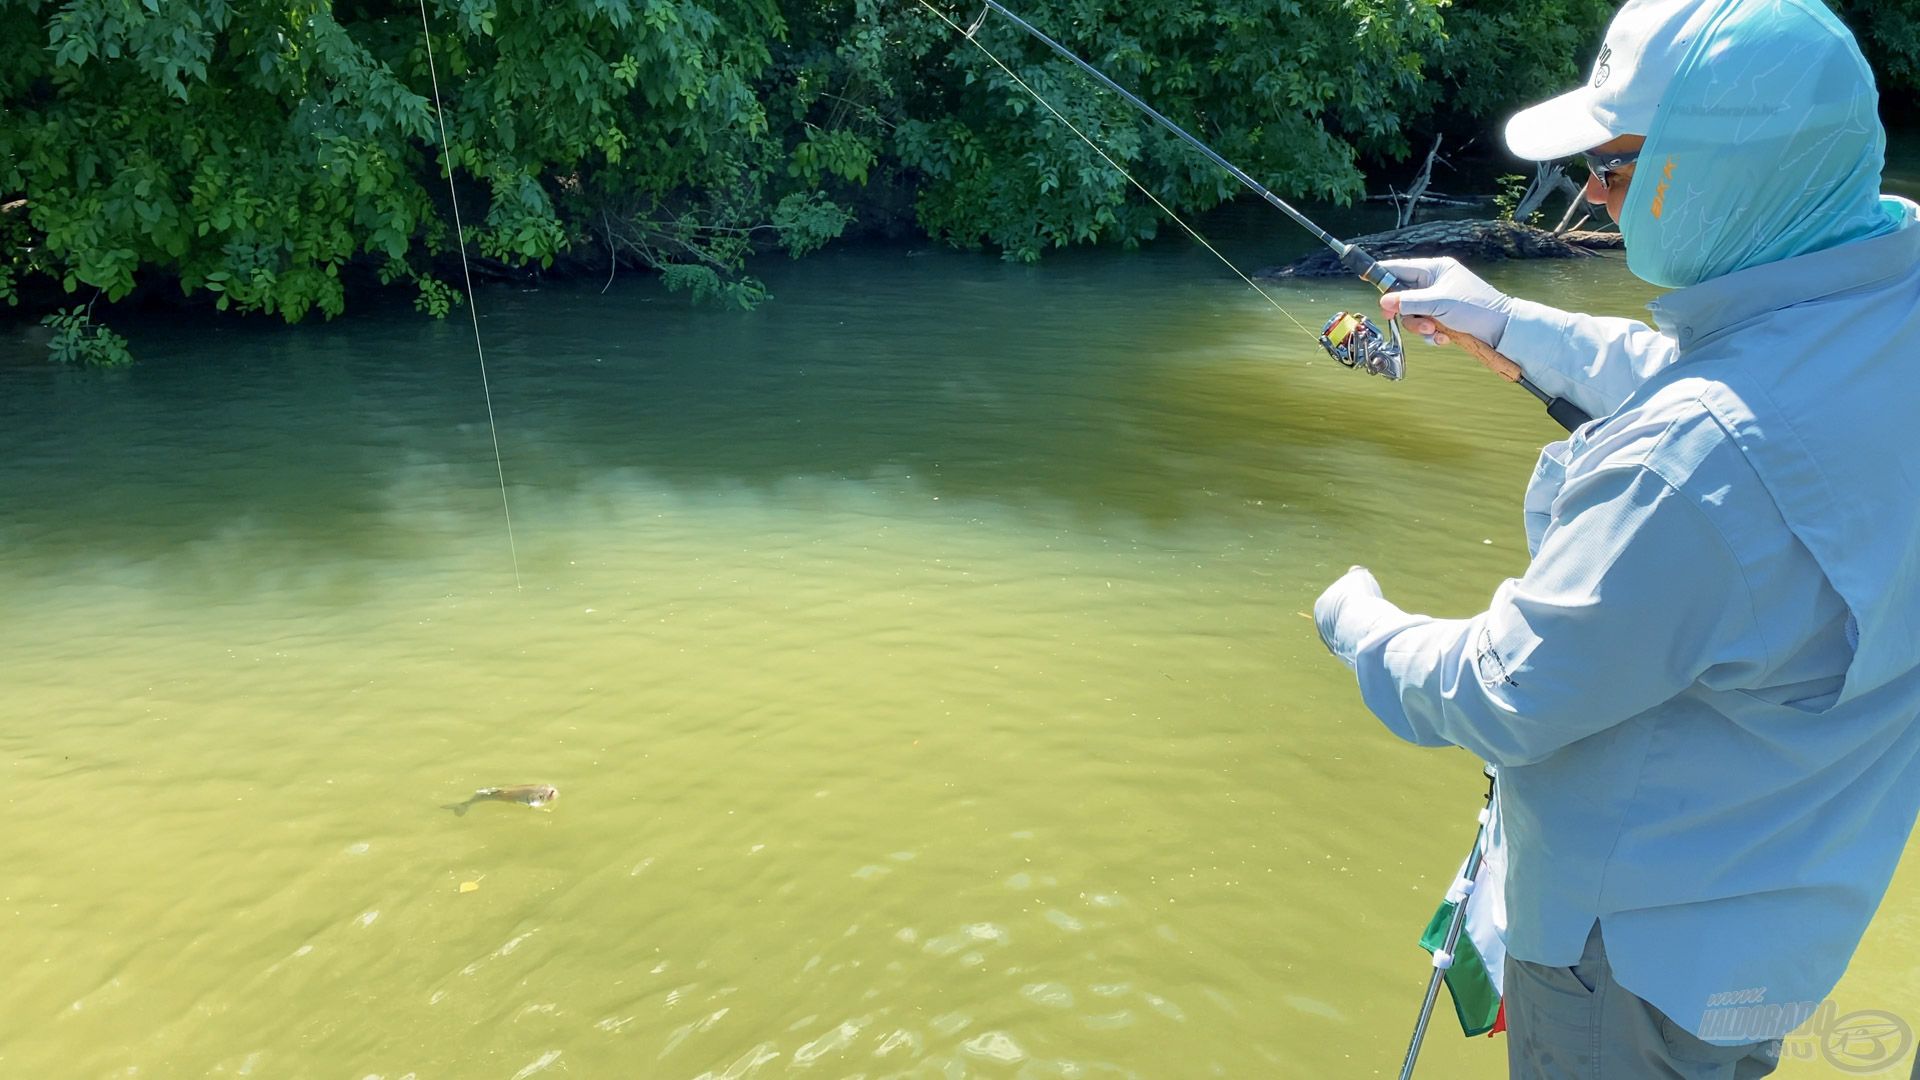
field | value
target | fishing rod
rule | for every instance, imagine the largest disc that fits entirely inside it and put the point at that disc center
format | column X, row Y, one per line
column 1349, row 337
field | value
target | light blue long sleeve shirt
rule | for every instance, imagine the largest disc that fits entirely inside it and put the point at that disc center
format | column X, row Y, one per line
column 1704, row 693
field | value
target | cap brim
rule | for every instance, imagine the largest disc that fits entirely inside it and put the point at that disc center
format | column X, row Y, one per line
column 1558, row 128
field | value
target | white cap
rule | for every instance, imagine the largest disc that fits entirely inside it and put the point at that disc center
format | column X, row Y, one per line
column 1645, row 43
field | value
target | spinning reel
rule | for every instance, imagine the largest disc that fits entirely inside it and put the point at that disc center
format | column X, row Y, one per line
column 1356, row 342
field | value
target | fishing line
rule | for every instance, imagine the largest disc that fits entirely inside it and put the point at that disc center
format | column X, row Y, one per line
column 460, row 235
column 1022, row 83
column 1349, row 337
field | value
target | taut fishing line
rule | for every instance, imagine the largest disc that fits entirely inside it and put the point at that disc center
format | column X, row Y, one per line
column 460, row 236
column 969, row 33
column 1349, row 337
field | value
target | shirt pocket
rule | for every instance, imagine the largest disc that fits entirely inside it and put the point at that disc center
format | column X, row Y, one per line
column 1549, row 476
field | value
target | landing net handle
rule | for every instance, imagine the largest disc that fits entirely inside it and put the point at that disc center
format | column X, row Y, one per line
column 1443, row 957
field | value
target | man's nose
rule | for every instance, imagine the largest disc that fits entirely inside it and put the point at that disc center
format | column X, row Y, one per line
column 1595, row 192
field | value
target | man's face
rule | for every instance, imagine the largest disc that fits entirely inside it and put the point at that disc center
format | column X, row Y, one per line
column 1613, row 193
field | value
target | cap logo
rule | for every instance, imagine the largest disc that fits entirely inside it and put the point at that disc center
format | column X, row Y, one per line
column 1600, row 68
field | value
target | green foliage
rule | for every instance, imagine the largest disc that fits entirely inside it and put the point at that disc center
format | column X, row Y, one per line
column 1502, row 55
column 1295, row 92
column 842, row 153
column 1889, row 34
column 264, row 156
column 704, row 284
column 253, row 152
column 807, row 221
column 1512, row 188
column 81, row 342
column 436, row 298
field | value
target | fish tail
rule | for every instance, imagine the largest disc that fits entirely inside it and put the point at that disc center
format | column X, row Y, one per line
column 459, row 809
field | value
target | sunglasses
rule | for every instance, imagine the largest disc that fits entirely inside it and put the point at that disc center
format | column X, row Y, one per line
column 1604, row 166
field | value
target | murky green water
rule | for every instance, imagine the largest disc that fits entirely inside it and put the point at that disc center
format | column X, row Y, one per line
column 920, row 660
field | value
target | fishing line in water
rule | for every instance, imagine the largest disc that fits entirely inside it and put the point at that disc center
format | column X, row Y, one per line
column 460, row 236
column 969, row 34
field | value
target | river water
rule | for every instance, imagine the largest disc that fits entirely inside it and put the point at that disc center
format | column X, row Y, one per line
column 921, row 660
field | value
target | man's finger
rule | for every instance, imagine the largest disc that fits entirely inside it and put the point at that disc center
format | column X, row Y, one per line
column 1417, row 273
column 1415, row 324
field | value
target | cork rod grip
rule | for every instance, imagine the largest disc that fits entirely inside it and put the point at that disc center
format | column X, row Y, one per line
column 1482, row 352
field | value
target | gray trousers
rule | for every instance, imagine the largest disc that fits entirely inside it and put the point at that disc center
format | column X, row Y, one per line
column 1578, row 1024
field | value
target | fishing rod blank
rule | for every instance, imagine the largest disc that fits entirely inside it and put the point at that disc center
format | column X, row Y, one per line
column 1349, row 337
column 1260, row 189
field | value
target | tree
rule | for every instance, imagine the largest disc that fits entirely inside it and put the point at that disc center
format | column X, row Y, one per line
column 258, row 152
column 1889, row 34
column 1294, row 92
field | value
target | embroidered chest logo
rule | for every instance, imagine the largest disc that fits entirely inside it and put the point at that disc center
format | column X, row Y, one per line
column 1488, row 662
column 1600, row 68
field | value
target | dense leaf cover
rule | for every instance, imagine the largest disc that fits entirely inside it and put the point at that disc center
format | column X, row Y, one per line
column 1889, row 33
column 267, row 155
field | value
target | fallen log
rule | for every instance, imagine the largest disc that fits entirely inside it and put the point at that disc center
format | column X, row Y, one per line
column 1472, row 240
column 1592, row 239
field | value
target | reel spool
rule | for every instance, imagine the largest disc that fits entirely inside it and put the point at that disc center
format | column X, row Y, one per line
column 1355, row 342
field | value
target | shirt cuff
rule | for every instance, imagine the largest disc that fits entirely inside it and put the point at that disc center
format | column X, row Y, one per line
column 1535, row 336
column 1365, row 620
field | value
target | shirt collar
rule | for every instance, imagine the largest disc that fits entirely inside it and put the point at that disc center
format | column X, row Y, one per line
column 1698, row 311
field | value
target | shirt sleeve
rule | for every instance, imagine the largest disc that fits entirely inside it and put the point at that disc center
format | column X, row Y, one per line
column 1633, row 596
column 1592, row 361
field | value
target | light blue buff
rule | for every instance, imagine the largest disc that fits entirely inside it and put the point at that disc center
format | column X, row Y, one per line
column 1767, row 145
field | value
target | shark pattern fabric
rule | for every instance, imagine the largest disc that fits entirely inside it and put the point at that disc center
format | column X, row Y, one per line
column 1766, row 145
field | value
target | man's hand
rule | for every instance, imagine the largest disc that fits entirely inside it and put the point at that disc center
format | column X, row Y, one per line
column 1347, row 610
column 1443, row 291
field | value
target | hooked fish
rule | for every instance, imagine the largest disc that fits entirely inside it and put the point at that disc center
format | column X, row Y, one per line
column 534, row 795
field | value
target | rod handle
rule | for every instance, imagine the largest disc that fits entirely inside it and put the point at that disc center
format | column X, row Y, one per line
column 1489, row 356
column 1564, row 412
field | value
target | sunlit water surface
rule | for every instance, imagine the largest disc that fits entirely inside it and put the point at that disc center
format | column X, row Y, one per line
column 921, row 659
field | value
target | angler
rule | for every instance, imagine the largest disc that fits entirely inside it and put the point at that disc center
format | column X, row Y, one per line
column 1701, row 697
